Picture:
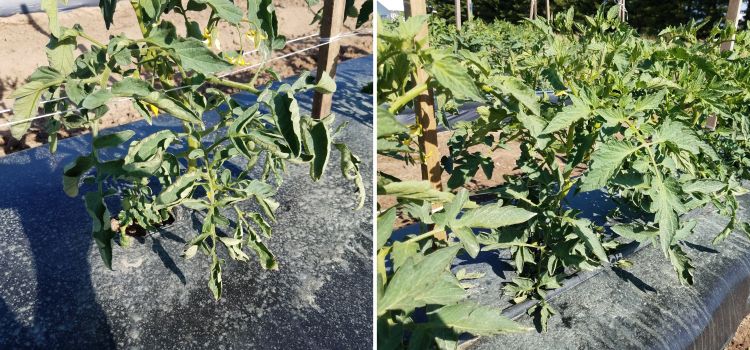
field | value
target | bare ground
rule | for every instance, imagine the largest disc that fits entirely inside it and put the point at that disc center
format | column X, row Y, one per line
column 24, row 36
column 741, row 340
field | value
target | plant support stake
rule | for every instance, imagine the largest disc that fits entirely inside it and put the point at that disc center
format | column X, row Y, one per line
column 333, row 18
column 549, row 13
column 458, row 14
column 424, row 108
column 733, row 18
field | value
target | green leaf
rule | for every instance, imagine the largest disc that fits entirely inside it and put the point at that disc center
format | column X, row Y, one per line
column 27, row 98
column 666, row 203
column 262, row 15
column 350, row 170
column 413, row 283
column 568, row 116
column 322, row 149
column 520, row 91
column 108, row 10
column 141, row 90
column 533, row 123
column 650, row 101
column 50, row 7
column 326, row 84
column 704, row 186
column 451, row 210
column 195, row 56
column 100, row 226
column 267, row 259
column 214, row 278
column 591, row 240
column 468, row 317
column 638, row 234
column 190, row 252
column 681, row 263
column 237, row 132
column 113, row 140
column 493, row 216
column 97, row 99
column 224, row 9
column 605, row 162
column 60, row 54
column 149, row 146
column 258, row 220
column 149, row 7
column 178, row 191
column 468, row 239
column 73, row 172
column 450, row 74
column 401, row 252
column 163, row 35
column 388, row 125
column 172, row 107
column 446, row 290
column 131, row 87
column 385, row 226
column 680, row 136
column 288, row 121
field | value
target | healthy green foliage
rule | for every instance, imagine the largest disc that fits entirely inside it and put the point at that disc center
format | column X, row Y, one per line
column 165, row 72
column 591, row 106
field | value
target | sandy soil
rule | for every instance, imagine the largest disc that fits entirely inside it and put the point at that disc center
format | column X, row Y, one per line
column 741, row 340
column 504, row 159
column 24, row 36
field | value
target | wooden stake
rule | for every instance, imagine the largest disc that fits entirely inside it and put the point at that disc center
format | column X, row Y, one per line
column 458, row 14
column 331, row 22
column 733, row 18
column 424, row 108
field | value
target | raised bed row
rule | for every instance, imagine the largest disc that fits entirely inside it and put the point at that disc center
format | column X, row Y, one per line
column 57, row 292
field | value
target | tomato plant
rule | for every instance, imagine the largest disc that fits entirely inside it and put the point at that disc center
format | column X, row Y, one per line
column 163, row 71
column 658, row 124
column 413, row 275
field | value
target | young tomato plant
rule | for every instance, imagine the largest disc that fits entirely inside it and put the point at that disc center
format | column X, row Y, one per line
column 658, row 125
column 413, row 273
column 162, row 71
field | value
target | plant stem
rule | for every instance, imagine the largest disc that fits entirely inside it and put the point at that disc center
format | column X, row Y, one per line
column 424, row 235
column 138, row 15
column 193, row 144
column 233, row 84
column 92, row 40
column 408, row 96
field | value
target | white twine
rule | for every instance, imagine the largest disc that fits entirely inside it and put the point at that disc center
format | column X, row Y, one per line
column 42, row 103
column 336, row 38
column 325, row 40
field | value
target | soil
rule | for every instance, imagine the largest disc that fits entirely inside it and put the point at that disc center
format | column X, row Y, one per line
column 504, row 159
column 741, row 340
column 25, row 35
